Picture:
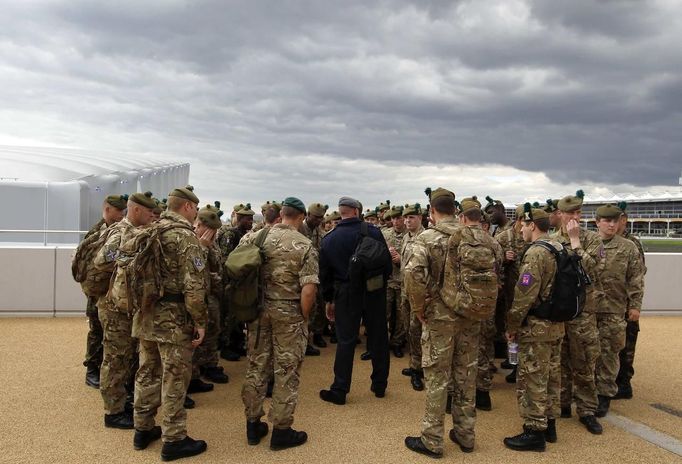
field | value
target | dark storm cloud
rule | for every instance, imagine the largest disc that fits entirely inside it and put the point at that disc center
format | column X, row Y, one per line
column 577, row 90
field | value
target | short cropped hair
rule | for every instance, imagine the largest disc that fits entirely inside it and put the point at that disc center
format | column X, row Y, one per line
column 473, row 214
column 444, row 205
column 271, row 214
column 175, row 204
column 542, row 224
column 290, row 212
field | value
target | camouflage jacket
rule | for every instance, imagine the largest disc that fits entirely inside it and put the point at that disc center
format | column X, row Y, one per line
column 315, row 235
column 621, row 275
column 592, row 254
column 183, row 305
column 291, row 262
column 423, row 272
column 97, row 228
column 499, row 229
column 228, row 238
column 394, row 239
column 406, row 248
column 105, row 261
column 510, row 240
column 638, row 244
column 538, row 269
column 214, row 271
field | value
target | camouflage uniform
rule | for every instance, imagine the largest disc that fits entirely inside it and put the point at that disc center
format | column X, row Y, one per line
column 449, row 341
column 318, row 316
column 167, row 331
column 118, row 344
column 279, row 336
column 539, row 369
column 227, row 239
column 580, row 348
column 621, row 275
column 206, row 354
column 396, row 312
column 627, row 354
column 486, row 346
column 94, row 351
column 414, row 334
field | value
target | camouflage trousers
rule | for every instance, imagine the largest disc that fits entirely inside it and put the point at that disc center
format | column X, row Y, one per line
column 119, row 348
column 206, row 354
column 396, row 316
column 318, row 317
column 276, row 344
column 486, row 354
column 161, row 382
column 611, row 341
column 450, row 349
column 627, row 354
column 94, row 352
column 414, row 339
column 538, row 382
column 579, row 353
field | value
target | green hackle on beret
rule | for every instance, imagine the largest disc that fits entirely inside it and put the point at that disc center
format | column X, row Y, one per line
column 571, row 203
column 117, row 201
column 623, row 205
column 210, row 216
column 246, row 211
column 412, row 210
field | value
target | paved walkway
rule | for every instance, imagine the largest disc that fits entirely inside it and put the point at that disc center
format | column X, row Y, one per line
column 48, row 415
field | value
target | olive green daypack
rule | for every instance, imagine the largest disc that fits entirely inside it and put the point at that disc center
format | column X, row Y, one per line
column 245, row 299
column 93, row 282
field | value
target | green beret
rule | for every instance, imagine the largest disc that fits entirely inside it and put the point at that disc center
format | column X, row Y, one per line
column 609, row 212
column 186, row 193
column 238, row 207
column 294, row 203
column 395, row 211
column 210, row 216
column 439, row 192
column 383, row 206
column 317, row 209
column 117, row 201
column 145, row 199
column 532, row 214
column 551, row 205
column 470, row 203
column 246, row 211
column 491, row 203
column 370, row 213
column 571, row 202
column 412, row 210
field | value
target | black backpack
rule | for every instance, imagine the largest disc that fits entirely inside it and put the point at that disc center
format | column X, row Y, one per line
column 368, row 262
column 567, row 299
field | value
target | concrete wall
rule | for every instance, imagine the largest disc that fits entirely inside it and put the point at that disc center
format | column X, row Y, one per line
column 37, row 281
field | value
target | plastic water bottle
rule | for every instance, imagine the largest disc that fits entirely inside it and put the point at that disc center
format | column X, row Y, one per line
column 513, row 353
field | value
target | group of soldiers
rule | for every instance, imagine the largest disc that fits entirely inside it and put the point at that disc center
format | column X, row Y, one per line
column 149, row 359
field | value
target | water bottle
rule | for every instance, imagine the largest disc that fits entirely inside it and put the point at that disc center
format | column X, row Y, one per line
column 513, row 353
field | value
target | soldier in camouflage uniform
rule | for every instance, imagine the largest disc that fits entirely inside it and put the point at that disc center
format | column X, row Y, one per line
column 170, row 331
column 627, row 354
column 551, row 207
column 412, row 215
column 450, row 336
column 312, row 228
column 395, row 311
column 539, row 373
column 205, row 358
column 381, row 211
column 371, row 216
column 280, row 333
column 113, row 211
column 580, row 348
column 621, row 275
column 119, row 345
column 227, row 238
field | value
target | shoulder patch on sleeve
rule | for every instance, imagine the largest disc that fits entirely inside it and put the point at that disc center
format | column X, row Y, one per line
column 199, row 263
column 526, row 279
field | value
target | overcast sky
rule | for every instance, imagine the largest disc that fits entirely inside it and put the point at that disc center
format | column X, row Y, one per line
column 265, row 99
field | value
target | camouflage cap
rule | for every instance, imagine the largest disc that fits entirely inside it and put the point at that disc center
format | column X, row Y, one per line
column 439, row 192
column 412, row 210
column 246, row 210
column 370, row 213
column 532, row 214
column 186, row 193
column 294, row 203
column 210, row 215
column 491, row 203
column 145, row 199
column 317, row 209
column 609, row 211
column 551, row 205
column 383, row 206
column 117, row 201
column 471, row 203
column 571, row 202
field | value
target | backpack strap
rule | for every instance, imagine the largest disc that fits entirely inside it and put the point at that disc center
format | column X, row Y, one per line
column 261, row 237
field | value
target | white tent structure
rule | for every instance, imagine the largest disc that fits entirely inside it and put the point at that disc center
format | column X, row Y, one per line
column 52, row 190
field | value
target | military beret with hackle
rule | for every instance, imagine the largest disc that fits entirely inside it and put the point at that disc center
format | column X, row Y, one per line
column 370, row 213
column 295, row 203
column 395, row 211
column 157, row 206
column 519, row 211
column 246, row 211
column 117, row 201
column 439, row 192
column 186, row 193
column 533, row 214
column 384, row 206
column 238, row 207
column 334, row 216
column 317, row 209
column 571, row 203
column 145, row 199
column 470, row 203
column 609, row 211
column 551, row 205
column 412, row 210
column 210, row 215
column 492, row 203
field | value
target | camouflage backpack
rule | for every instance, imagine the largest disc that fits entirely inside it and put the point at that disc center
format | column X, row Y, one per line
column 93, row 282
column 469, row 279
column 138, row 282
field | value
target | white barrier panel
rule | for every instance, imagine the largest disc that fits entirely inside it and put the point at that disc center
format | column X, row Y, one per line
column 37, row 281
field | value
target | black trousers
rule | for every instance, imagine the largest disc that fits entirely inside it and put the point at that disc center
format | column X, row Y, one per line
column 350, row 307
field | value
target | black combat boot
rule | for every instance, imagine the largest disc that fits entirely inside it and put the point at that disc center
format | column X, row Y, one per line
column 550, row 433
column 92, row 377
column 591, row 424
column 603, row 407
column 333, row 396
column 122, row 420
column 216, row 374
column 199, row 386
column 624, row 392
column 398, row 351
column 366, row 356
column 143, row 438
column 417, row 380
column 453, row 438
column 566, row 412
column 182, row 449
column 417, row 445
column 286, row 438
column 407, row 372
column 318, row 340
column 507, row 365
column 229, row 355
column 189, row 403
column 483, row 400
column 448, row 405
column 511, row 377
column 529, row 440
column 255, row 431
column 310, row 350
